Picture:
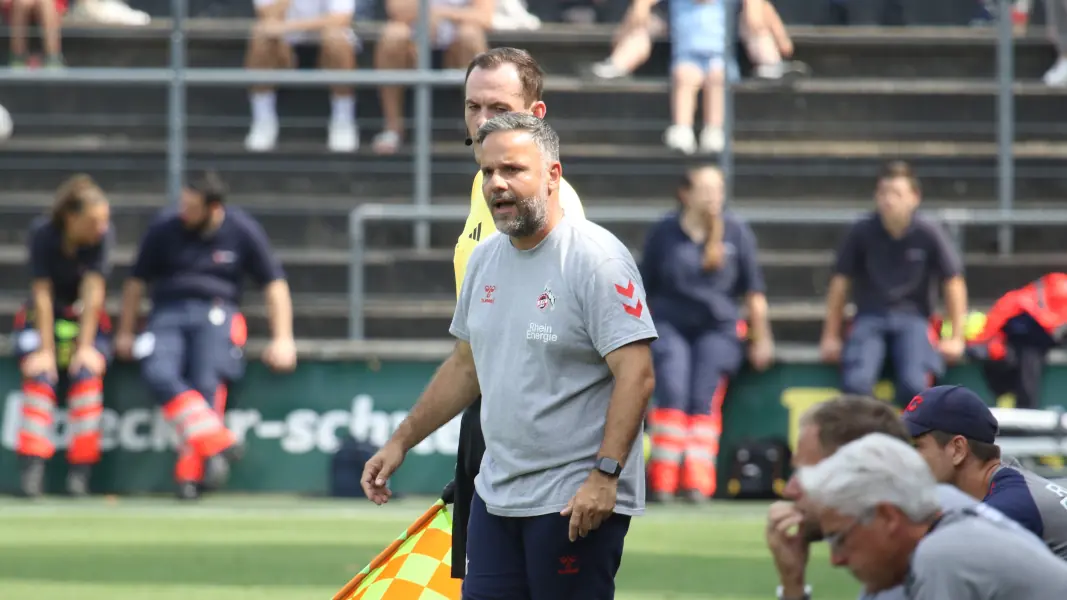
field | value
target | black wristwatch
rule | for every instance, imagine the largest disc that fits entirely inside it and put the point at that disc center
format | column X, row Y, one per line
column 609, row 466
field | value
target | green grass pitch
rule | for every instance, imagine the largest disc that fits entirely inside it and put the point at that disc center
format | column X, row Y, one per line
column 281, row 548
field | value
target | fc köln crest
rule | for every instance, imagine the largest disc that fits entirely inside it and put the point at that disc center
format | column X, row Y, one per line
column 547, row 300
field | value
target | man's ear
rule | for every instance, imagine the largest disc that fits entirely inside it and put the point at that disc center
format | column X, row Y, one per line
column 539, row 109
column 555, row 174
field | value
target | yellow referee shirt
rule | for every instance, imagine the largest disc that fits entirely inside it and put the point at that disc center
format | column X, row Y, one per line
column 480, row 223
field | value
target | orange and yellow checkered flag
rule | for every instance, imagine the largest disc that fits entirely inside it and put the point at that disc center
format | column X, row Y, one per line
column 416, row 566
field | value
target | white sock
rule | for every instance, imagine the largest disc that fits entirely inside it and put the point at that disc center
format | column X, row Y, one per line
column 263, row 107
column 342, row 109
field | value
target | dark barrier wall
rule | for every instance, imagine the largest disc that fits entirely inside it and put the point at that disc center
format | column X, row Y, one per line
column 292, row 424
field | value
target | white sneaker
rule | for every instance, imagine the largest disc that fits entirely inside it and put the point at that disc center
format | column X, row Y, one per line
column 6, row 124
column 343, row 137
column 712, row 140
column 1057, row 75
column 111, row 12
column 262, row 136
column 680, row 138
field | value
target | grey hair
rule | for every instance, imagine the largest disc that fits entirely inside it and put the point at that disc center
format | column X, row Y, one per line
column 875, row 469
column 544, row 136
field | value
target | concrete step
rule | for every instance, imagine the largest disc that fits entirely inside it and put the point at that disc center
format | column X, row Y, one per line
column 389, row 317
column 417, row 274
column 842, row 52
column 321, row 222
column 629, row 112
column 788, row 274
column 771, row 169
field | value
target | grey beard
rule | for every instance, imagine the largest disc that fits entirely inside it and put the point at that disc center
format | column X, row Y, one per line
column 532, row 217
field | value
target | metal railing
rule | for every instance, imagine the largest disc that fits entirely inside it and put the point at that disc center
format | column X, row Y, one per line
column 177, row 76
column 955, row 220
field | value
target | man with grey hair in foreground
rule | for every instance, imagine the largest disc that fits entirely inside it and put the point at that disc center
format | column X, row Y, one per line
column 876, row 503
column 823, row 429
column 554, row 334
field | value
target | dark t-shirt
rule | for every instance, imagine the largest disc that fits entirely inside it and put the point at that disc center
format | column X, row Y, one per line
column 681, row 292
column 65, row 271
column 179, row 264
column 897, row 275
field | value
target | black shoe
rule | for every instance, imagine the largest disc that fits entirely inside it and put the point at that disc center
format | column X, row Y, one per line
column 78, row 480
column 217, row 468
column 32, row 477
column 188, row 490
column 695, row 497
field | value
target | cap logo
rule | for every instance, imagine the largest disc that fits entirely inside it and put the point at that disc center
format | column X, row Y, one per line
column 914, row 404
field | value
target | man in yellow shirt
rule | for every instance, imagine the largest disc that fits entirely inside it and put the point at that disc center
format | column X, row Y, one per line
column 499, row 81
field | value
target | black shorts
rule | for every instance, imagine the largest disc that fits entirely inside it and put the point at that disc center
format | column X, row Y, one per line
column 468, row 461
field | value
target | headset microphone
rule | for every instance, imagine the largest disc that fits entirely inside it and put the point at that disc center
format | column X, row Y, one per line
column 468, row 141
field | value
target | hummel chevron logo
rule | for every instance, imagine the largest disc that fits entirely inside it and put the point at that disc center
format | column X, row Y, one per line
column 476, row 235
column 628, row 293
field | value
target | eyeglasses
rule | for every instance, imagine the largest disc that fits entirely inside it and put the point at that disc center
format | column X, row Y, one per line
column 837, row 539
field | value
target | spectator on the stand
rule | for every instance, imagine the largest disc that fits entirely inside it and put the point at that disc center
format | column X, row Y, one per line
column 459, row 29
column 698, row 44
column 767, row 47
column 108, row 12
column 1056, row 15
column 303, row 33
column 698, row 262
column 46, row 14
column 891, row 262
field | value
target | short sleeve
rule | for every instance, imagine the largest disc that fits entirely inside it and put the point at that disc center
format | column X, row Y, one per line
column 38, row 249
column 342, row 7
column 848, row 257
column 948, row 261
column 615, row 313
column 458, row 328
column 1010, row 495
column 748, row 259
column 260, row 261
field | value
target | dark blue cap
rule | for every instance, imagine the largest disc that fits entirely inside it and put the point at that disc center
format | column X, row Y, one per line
column 952, row 409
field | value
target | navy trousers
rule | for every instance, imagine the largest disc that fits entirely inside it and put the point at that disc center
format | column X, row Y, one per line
column 531, row 558
column 905, row 340
column 195, row 348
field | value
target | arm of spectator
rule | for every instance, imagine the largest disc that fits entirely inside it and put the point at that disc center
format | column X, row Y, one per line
column 754, row 287
column 752, row 12
column 478, row 13
column 271, row 10
column 950, row 268
column 777, row 29
column 338, row 15
column 714, row 249
column 639, row 12
column 846, row 265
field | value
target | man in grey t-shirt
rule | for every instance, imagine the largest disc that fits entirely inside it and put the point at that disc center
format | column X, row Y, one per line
column 876, row 502
column 554, row 333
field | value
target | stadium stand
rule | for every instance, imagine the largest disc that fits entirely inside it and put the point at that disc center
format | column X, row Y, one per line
column 924, row 95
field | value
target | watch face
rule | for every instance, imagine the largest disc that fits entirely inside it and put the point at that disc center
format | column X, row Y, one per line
column 609, row 465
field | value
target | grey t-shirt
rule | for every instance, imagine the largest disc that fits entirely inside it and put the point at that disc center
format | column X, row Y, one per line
column 977, row 554
column 951, row 498
column 540, row 323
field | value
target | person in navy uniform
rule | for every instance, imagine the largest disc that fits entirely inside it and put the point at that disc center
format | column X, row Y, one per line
column 194, row 260
column 61, row 334
column 698, row 263
column 892, row 262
